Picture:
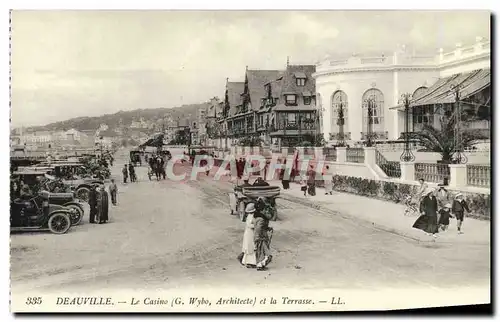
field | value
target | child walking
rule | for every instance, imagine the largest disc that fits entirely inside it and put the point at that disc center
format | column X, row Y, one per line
column 458, row 209
column 444, row 217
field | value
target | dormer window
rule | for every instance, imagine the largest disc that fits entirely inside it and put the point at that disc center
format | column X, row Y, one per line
column 300, row 78
column 291, row 99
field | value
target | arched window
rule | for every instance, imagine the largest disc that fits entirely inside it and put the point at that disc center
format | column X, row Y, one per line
column 374, row 98
column 339, row 111
column 419, row 91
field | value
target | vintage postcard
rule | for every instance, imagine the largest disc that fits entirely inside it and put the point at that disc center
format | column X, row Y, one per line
column 249, row 161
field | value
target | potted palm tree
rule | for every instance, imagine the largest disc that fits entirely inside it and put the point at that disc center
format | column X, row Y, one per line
column 442, row 140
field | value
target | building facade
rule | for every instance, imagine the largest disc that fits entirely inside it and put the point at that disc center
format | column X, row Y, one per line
column 270, row 108
column 346, row 88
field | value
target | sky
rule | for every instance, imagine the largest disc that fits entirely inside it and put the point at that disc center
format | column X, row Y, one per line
column 69, row 64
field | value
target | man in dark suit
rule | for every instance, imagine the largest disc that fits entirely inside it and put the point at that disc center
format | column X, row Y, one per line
column 93, row 204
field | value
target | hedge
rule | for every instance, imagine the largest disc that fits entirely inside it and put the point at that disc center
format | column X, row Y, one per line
column 479, row 204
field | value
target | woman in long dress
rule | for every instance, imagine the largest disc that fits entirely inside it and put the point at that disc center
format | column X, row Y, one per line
column 428, row 208
column 262, row 240
column 248, row 249
column 328, row 179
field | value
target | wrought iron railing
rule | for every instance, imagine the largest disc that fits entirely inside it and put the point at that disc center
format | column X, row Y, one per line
column 337, row 136
column 330, row 154
column 375, row 135
column 479, row 175
column 391, row 168
column 356, row 155
column 304, row 126
column 432, row 172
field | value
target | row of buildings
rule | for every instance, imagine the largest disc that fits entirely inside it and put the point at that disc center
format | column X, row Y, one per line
column 67, row 139
column 336, row 99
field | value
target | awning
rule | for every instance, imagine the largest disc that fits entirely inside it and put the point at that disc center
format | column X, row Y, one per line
column 441, row 93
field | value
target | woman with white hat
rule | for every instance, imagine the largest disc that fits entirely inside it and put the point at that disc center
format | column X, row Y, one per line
column 428, row 209
column 247, row 256
column 458, row 208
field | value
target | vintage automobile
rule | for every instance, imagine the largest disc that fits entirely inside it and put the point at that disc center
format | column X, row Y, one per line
column 243, row 195
column 66, row 199
column 80, row 185
column 38, row 214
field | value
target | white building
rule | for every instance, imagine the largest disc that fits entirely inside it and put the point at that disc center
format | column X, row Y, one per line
column 351, row 82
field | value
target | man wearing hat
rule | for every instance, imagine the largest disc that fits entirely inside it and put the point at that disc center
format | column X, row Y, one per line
column 458, row 208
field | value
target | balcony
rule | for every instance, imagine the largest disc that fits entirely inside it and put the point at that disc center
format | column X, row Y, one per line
column 338, row 136
column 380, row 135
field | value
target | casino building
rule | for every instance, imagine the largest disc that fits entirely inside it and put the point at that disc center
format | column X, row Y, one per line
column 346, row 87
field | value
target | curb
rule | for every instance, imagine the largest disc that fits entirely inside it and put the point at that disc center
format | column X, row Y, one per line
column 381, row 227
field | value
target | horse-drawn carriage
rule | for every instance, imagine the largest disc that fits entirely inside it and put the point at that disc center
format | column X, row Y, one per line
column 136, row 157
column 243, row 195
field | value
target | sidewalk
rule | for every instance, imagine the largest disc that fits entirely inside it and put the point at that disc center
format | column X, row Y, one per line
column 387, row 216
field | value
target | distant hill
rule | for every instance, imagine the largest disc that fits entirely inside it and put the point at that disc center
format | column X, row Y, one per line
column 186, row 114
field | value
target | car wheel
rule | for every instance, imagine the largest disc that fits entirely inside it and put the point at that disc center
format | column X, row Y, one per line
column 76, row 214
column 59, row 223
column 82, row 193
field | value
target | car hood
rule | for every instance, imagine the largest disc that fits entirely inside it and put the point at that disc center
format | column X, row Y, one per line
column 53, row 207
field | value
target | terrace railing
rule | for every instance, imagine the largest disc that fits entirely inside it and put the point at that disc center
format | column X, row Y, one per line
column 432, row 172
column 391, row 168
column 330, row 154
column 355, row 155
column 479, row 175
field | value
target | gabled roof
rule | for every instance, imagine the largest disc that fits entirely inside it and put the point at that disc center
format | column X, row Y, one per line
column 256, row 81
column 233, row 94
column 289, row 84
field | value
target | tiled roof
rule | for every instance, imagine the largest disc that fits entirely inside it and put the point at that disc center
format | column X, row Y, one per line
column 233, row 93
column 256, row 81
column 289, row 79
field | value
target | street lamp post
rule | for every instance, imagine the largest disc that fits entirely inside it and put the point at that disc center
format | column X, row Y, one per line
column 459, row 155
column 407, row 155
column 370, row 102
column 340, row 123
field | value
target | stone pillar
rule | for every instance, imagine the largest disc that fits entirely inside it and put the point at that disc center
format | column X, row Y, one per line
column 458, row 175
column 318, row 153
column 407, row 171
column 341, row 154
column 370, row 156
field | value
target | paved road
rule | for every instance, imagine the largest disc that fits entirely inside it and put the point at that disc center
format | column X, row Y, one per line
column 179, row 234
